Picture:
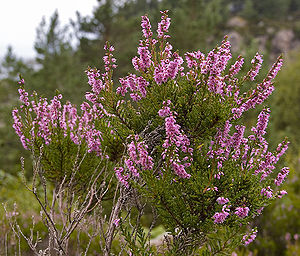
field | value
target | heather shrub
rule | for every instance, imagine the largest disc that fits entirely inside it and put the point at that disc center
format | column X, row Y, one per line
column 166, row 142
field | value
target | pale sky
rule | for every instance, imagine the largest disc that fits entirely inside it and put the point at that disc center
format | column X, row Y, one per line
column 20, row 18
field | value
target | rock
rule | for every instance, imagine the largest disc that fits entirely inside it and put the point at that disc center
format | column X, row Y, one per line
column 270, row 30
column 261, row 24
column 282, row 41
column 237, row 22
column 261, row 42
column 295, row 44
column 236, row 40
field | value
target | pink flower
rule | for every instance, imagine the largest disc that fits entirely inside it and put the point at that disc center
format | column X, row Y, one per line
column 281, row 176
column 137, row 85
column 241, row 212
column 236, row 67
column 117, row 222
column 146, row 27
column 163, row 25
column 268, row 192
column 21, row 81
column 219, row 217
column 222, row 200
column 262, row 123
column 281, row 193
column 259, row 211
column 122, row 178
column 175, row 142
column 249, row 238
column 256, row 65
column 138, row 156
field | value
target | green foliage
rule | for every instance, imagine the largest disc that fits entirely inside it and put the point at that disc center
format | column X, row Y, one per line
column 59, row 64
column 138, row 242
column 287, row 97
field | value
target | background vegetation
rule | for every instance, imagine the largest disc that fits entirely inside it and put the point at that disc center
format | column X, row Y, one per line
column 270, row 26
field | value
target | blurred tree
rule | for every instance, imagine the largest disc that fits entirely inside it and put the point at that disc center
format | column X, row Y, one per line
column 59, row 64
column 272, row 9
column 114, row 21
column 249, row 11
column 197, row 24
column 12, row 66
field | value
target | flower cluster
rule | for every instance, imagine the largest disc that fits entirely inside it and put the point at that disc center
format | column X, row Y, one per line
column 18, row 126
column 249, row 238
column 109, row 61
column 138, row 154
column 168, row 69
column 101, row 81
column 281, row 176
column 216, row 63
column 96, row 83
column 23, row 96
column 136, row 84
column 166, row 64
column 236, row 67
column 256, row 65
column 175, row 143
column 262, row 123
column 213, row 65
column 122, row 178
column 219, row 217
column 259, row 94
column 47, row 117
column 138, row 159
column 242, row 212
column 163, row 25
column 268, row 192
column 222, row 200
column 252, row 152
column 146, row 27
column 281, row 193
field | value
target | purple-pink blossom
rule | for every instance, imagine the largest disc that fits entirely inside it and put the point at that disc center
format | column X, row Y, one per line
column 175, row 142
column 249, row 238
column 136, row 84
column 138, row 156
column 122, row 178
column 281, row 176
column 242, row 212
column 281, row 193
column 219, row 217
column 236, row 67
column 163, row 25
column 144, row 61
column 49, row 116
column 18, row 126
column 222, row 200
column 268, row 192
column 262, row 123
column 256, row 65
column 117, row 222
column 23, row 96
column 146, row 27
